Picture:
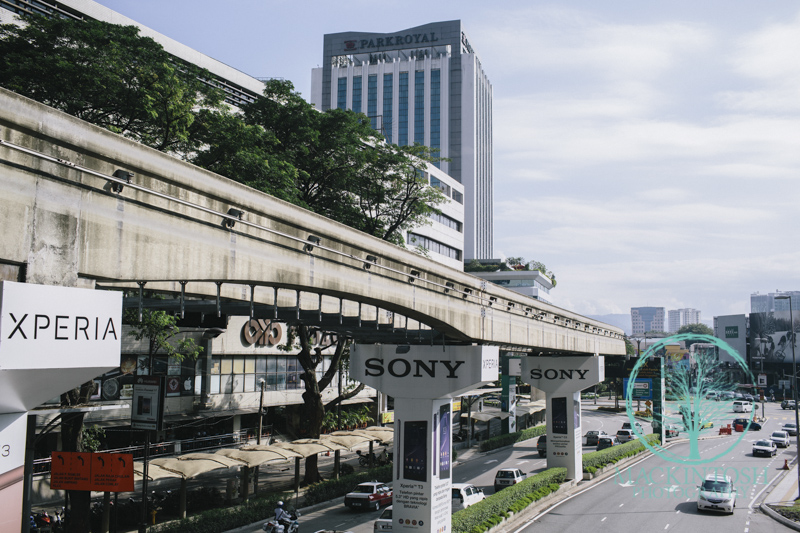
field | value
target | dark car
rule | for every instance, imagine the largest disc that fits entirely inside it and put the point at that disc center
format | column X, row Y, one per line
column 747, row 424
column 541, row 446
column 607, row 442
column 593, row 436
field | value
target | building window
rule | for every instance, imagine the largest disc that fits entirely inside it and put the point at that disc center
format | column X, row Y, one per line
column 341, row 96
column 403, row 111
column 242, row 373
column 447, row 221
column 436, row 93
column 458, row 197
column 356, row 102
column 388, row 89
column 419, row 107
column 434, row 246
column 372, row 100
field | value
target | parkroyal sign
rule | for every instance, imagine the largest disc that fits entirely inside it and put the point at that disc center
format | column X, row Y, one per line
column 54, row 327
column 424, row 371
column 563, row 374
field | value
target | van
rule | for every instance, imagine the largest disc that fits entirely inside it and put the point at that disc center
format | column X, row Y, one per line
column 741, row 406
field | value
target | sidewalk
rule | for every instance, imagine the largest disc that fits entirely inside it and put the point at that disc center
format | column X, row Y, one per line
column 785, row 490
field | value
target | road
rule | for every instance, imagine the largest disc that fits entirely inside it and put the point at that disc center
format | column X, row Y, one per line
column 656, row 495
column 479, row 471
column 650, row 495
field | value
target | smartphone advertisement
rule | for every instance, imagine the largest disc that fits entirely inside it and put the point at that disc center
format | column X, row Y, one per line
column 445, row 433
column 415, row 456
column 559, row 409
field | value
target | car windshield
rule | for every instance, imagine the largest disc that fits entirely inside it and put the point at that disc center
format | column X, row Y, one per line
column 364, row 489
column 591, row 433
column 789, row 426
column 711, row 485
column 764, row 443
column 505, row 474
column 387, row 514
column 779, row 434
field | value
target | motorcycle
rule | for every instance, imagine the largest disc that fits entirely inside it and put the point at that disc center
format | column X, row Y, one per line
column 273, row 526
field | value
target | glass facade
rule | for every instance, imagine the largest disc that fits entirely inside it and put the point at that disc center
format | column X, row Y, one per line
column 341, row 95
column 388, row 93
column 436, row 98
column 356, row 101
column 419, row 106
column 372, row 100
column 402, row 119
column 242, row 373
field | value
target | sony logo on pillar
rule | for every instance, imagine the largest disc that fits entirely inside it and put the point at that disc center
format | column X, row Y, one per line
column 553, row 374
column 415, row 368
column 62, row 327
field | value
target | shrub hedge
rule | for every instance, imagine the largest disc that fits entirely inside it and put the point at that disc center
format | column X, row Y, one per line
column 509, row 439
column 219, row 520
column 488, row 513
column 594, row 460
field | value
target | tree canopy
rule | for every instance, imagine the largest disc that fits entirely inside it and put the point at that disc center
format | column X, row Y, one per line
column 107, row 75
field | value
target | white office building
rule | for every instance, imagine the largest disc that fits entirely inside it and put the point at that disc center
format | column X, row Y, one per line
column 678, row 318
column 421, row 85
column 646, row 319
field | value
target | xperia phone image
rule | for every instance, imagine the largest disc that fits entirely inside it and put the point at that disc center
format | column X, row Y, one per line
column 444, row 441
column 560, row 415
column 415, row 451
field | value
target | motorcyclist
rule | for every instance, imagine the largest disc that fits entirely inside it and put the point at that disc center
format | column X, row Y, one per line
column 282, row 516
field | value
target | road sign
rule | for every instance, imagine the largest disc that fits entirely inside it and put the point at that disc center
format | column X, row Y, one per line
column 105, row 472
column 112, row 472
column 70, row 471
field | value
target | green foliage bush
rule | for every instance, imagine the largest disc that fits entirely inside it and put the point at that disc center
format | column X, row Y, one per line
column 489, row 512
column 592, row 461
column 219, row 520
column 510, row 438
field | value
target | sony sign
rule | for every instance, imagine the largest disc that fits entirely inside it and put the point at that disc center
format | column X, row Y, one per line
column 424, row 371
column 563, row 374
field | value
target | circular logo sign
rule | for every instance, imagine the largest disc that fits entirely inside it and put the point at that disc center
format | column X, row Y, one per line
column 701, row 387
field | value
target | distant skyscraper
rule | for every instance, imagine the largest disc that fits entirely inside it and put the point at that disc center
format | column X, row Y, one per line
column 766, row 303
column 681, row 317
column 422, row 85
column 644, row 319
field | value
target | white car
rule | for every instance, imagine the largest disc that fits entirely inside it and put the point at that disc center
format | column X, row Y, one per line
column 716, row 494
column 780, row 438
column 626, row 435
column 790, row 428
column 764, row 447
column 465, row 495
column 384, row 523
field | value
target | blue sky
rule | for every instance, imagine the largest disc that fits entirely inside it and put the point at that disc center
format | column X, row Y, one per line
column 646, row 152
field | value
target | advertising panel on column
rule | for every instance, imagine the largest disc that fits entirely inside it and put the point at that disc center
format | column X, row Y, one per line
column 52, row 339
column 562, row 379
column 422, row 380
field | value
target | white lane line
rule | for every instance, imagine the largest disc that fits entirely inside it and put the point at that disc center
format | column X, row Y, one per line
column 621, row 504
column 495, row 460
column 666, row 527
column 604, row 519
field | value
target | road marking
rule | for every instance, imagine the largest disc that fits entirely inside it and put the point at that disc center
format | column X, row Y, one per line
column 666, row 527
column 522, row 462
column 621, row 504
column 604, row 519
column 490, row 461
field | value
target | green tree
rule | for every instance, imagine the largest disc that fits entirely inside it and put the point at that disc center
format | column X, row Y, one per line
column 697, row 329
column 107, row 75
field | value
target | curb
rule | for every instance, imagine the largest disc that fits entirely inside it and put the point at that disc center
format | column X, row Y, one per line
column 767, row 510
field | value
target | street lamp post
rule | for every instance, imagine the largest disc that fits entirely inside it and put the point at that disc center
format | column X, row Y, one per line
column 261, row 382
column 794, row 378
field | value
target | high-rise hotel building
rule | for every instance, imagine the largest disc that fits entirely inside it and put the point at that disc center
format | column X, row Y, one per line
column 421, row 85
